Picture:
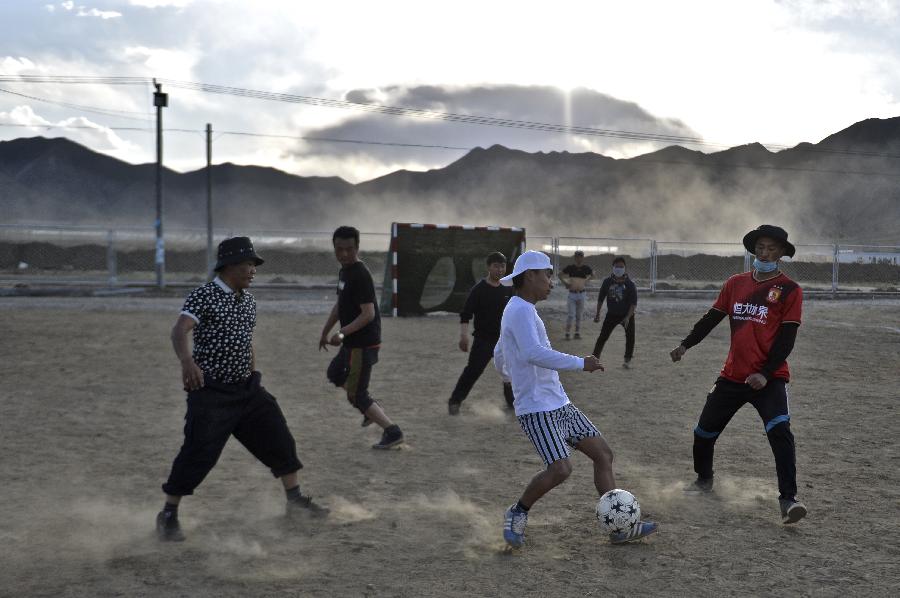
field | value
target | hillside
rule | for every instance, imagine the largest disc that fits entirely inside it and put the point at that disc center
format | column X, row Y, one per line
column 846, row 187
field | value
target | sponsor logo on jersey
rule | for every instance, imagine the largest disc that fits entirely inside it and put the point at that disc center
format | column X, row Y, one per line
column 750, row 311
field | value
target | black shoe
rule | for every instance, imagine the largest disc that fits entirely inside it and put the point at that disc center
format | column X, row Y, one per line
column 577, row 335
column 452, row 407
column 508, row 395
column 700, row 486
column 391, row 437
column 792, row 510
column 304, row 506
column 168, row 528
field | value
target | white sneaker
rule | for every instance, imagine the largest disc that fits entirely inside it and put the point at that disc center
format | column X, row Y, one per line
column 514, row 526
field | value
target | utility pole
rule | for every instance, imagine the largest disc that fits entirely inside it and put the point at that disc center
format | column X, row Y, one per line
column 210, row 263
column 160, row 100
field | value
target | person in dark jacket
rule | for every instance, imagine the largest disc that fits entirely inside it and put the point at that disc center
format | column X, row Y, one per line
column 620, row 294
column 485, row 302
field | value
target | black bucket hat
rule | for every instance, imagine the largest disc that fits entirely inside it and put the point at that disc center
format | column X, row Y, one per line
column 771, row 231
column 234, row 251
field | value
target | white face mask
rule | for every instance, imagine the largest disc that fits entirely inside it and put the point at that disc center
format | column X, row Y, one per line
column 619, row 271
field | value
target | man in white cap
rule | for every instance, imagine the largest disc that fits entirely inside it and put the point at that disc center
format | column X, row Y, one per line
column 551, row 422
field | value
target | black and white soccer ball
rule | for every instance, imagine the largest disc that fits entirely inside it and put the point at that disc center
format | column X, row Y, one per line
column 618, row 511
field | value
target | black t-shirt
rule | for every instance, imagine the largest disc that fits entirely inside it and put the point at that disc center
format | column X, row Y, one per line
column 355, row 287
column 582, row 271
column 486, row 303
column 619, row 295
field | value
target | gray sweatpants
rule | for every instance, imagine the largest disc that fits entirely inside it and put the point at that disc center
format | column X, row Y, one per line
column 576, row 310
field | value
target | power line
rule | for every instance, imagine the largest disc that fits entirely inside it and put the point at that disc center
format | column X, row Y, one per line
column 417, row 112
column 427, row 114
column 239, row 133
column 126, row 114
column 335, row 140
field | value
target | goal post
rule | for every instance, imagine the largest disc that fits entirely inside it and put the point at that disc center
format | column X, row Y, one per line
column 432, row 267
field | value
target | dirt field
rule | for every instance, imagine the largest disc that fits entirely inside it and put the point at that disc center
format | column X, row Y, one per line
column 91, row 418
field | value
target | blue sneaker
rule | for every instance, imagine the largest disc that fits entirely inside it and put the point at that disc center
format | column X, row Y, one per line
column 641, row 529
column 514, row 526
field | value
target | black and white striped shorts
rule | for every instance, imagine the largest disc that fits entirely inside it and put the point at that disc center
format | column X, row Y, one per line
column 553, row 432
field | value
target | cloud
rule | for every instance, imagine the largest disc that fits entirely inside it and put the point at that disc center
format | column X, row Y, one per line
column 776, row 72
column 24, row 120
column 161, row 3
column 536, row 104
column 163, row 62
column 94, row 12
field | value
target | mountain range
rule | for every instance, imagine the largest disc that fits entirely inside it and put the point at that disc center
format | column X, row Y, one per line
column 844, row 188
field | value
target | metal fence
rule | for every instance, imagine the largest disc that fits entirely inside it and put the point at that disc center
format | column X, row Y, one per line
column 126, row 256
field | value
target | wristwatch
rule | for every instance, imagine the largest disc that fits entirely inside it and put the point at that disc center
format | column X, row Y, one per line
column 340, row 335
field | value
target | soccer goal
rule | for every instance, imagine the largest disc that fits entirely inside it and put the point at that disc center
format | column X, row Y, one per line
column 432, row 267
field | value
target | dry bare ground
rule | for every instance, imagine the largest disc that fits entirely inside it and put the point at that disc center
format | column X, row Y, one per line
column 91, row 417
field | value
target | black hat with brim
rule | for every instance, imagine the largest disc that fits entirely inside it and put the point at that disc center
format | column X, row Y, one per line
column 771, row 231
column 234, row 251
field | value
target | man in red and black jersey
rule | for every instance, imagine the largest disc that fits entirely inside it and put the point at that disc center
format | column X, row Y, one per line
column 764, row 307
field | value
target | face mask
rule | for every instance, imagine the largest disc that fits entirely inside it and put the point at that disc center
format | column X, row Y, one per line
column 764, row 266
column 619, row 271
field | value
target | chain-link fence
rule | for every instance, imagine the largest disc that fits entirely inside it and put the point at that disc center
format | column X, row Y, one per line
column 126, row 256
column 697, row 266
column 599, row 254
column 867, row 268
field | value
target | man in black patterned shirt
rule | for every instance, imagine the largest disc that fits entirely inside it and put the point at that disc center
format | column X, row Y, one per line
column 225, row 396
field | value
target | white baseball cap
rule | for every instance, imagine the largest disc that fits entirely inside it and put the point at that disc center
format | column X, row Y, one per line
column 530, row 260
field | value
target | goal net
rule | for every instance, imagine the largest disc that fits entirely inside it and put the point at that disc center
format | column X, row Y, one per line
column 432, row 267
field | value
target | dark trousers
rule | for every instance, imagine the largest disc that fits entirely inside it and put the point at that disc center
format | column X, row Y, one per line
column 351, row 369
column 480, row 354
column 609, row 324
column 771, row 402
column 218, row 411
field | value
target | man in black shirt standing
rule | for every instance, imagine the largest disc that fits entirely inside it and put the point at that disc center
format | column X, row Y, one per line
column 621, row 300
column 359, row 335
column 224, row 395
column 486, row 301
column 575, row 277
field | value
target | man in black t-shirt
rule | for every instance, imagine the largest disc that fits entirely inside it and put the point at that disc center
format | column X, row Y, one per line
column 485, row 302
column 575, row 277
column 359, row 336
column 621, row 300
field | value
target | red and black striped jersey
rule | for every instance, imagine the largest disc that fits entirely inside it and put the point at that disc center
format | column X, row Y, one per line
column 756, row 310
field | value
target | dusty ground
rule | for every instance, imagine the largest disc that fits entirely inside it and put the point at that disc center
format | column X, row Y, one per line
column 91, row 417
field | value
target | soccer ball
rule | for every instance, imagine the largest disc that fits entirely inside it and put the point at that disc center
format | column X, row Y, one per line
column 618, row 511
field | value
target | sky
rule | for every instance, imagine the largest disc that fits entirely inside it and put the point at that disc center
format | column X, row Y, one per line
column 724, row 72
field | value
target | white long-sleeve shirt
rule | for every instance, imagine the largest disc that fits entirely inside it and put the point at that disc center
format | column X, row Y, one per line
column 523, row 355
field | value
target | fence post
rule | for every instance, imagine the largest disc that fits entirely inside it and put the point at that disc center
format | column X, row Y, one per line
column 834, row 269
column 555, row 245
column 653, row 265
column 111, row 266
